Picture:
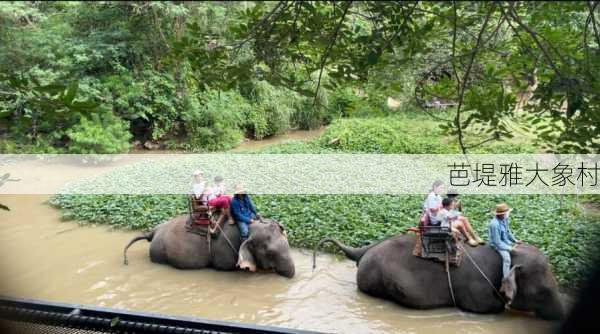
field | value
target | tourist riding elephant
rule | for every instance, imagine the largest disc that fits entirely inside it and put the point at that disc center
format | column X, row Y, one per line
column 388, row 269
column 267, row 247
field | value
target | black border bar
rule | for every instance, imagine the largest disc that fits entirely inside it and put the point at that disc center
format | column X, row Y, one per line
column 121, row 321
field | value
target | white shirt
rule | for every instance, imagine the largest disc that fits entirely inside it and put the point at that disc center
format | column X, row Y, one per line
column 433, row 201
column 198, row 189
column 443, row 217
column 216, row 191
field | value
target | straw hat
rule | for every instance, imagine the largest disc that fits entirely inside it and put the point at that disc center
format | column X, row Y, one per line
column 502, row 208
column 239, row 189
column 197, row 172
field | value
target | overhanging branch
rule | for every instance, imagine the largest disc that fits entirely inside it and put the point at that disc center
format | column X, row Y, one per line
column 328, row 49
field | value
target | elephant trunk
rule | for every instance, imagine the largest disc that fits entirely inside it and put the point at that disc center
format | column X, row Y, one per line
column 285, row 267
column 145, row 236
column 352, row 253
column 553, row 309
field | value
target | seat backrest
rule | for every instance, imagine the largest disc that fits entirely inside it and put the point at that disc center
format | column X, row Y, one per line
column 200, row 211
column 436, row 231
column 197, row 201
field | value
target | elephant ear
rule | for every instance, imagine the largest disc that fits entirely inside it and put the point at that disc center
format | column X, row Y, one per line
column 246, row 259
column 281, row 227
column 509, row 284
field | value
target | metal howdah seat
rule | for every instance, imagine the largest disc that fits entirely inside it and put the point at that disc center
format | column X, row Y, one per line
column 200, row 212
column 435, row 241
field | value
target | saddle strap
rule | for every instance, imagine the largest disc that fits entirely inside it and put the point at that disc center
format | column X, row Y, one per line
column 449, row 279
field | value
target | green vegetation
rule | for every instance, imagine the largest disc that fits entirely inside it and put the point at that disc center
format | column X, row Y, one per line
column 99, row 134
column 215, row 122
column 409, row 132
column 166, row 70
column 71, row 68
column 480, row 57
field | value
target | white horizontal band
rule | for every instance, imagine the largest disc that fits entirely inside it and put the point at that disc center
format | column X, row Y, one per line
column 301, row 173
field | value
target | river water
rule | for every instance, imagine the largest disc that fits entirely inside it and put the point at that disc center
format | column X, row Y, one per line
column 44, row 258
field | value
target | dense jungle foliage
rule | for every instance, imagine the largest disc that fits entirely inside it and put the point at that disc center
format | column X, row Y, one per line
column 202, row 75
column 98, row 77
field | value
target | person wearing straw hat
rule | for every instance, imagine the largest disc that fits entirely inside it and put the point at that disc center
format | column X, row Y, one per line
column 501, row 238
column 242, row 210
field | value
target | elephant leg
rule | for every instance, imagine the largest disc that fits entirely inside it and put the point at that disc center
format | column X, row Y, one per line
column 158, row 251
column 225, row 248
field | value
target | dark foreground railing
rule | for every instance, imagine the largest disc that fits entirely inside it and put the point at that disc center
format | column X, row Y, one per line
column 35, row 316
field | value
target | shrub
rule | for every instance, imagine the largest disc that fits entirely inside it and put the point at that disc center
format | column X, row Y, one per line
column 271, row 110
column 213, row 121
column 383, row 135
column 100, row 133
column 41, row 146
column 311, row 114
column 343, row 102
column 150, row 97
column 408, row 133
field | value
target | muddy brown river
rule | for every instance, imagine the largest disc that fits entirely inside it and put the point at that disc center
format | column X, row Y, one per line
column 44, row 258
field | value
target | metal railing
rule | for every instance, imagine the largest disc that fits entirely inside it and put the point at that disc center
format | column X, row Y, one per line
column 26, row 315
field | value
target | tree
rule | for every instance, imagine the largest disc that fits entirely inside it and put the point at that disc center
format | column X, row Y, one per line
column 493, row 50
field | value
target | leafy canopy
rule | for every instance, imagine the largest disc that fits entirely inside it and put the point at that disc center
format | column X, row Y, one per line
column 478, row 55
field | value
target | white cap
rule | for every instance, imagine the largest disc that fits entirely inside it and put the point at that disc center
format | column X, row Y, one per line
column 197, row 172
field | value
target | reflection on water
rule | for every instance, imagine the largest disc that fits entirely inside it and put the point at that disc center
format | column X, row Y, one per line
column 45, row 259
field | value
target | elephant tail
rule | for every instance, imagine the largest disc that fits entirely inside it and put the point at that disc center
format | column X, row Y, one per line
column 352, row 253
column 146, row 236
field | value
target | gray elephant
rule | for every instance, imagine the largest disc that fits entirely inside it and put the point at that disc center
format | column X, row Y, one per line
column 388, row 269
column 267, row 248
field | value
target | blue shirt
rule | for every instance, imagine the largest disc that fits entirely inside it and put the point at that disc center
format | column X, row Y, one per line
column 500, row 236
column 242, row 209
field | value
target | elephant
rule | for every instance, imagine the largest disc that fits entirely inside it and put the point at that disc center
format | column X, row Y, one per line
column 266, row 248
column 389, row 270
